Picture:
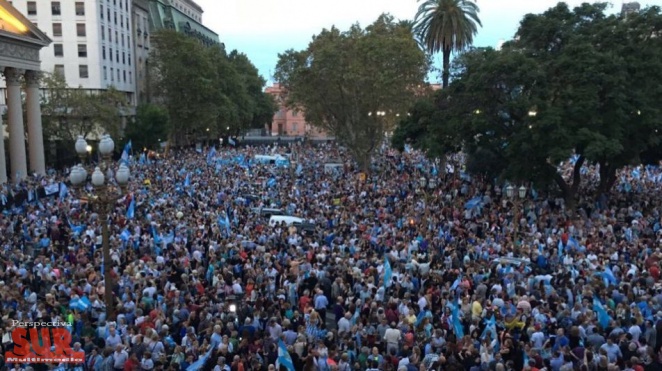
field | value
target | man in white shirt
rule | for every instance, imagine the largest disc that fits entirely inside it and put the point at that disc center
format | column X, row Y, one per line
column 344, row 324
column 120, row 356
column 392, row 337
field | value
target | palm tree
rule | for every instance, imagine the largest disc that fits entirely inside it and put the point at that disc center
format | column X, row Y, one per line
column 447, row 26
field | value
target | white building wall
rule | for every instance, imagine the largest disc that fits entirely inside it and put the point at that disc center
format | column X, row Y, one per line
column 107, row 26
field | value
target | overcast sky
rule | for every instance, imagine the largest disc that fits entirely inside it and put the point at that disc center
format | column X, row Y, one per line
column 263, row 28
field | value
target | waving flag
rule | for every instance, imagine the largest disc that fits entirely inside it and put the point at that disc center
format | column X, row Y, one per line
column 299, row 170
column 457, row 283
column 284, row 358
column 131, row 211
column 473, row 203
column 608, row 277
column 187, row 181
column 603, row 316
column 80, row 304
column 200, row 363
column 125, row 153
column 491, row 327
column 232, row 142
column 388, row 272
column 63, row 191
column 457, row 325
column 355, row 317
column 271, row 182
column 211, row 154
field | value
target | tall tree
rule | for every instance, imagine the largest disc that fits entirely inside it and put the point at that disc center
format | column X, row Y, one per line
column 446, row 26
column 353, row 83
column 149, row 128
column 69, row 112
column 574, row 82
column 186, row 82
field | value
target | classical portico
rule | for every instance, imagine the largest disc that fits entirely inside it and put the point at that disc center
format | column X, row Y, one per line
column 20, row 42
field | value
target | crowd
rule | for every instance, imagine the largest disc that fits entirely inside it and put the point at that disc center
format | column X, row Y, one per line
column 406, row 268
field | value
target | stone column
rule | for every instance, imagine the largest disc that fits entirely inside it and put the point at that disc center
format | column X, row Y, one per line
column 19, row 164
column 3, row 160
column 35, row 132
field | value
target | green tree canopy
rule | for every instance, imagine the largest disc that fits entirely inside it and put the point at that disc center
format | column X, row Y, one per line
column 69, row 112
column 446, row 26
column 353, row 83
column 206, row 92
column 574, row 82
column 149, row 128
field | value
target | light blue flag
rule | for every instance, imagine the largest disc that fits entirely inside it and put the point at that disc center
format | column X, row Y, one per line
column 356, row 315
column 200, row 363
column 608, row 277
column 187, row 181
column 457, row 283
column 299, row 170
column 63, row 191
column 232, row 142
column 271, row 182
column 603, row 316
column 491, row 327
column 457, row 324
column 284, row 358
column 388, row 272
column 131, row 211
column 125, row 235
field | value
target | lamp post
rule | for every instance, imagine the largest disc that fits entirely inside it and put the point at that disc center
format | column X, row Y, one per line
column 107, row 192
column 521, row 194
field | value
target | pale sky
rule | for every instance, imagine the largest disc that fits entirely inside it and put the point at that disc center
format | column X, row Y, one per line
column 263, row 28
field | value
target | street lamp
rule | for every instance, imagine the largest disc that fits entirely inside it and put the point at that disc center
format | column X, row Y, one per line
column 533, row 113
column 107, row 192
column 521, row 194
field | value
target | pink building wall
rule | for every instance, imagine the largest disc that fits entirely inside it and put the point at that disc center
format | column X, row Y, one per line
column 288, row 122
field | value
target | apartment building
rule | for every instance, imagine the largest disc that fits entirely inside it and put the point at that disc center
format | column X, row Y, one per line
column 92, row 42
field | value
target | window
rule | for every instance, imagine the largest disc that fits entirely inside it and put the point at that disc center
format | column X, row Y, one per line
column 103, row 33
column 110, row 35
column 58, row 50
column 55, row 8
column 130, row 78
column 108, row 14
column 129, row 59
column 295, row 127
column 122, row 40
column 59, row 70
column 57, row 29
column 80, row 8
column 117, row 59
column 124, row 73
column 32, row 8
column 82, row 51
column 117, row 38
column 112, row 74
column 121, row 21
column 295, row 113
column 80, row 30
column 103, row 52
column 118, row 75
column 105, row 73
column 115, row 18
column 83, row 72
column 123, row 58
column 101, row 11
column 110, row 54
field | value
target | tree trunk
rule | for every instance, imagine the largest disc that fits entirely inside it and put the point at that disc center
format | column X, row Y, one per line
column 570, row 190
column 607, row 178
column 446, row 67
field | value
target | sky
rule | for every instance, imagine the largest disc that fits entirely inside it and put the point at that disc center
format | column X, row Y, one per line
column 264, row 28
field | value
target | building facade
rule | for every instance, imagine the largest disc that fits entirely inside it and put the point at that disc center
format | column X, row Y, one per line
column 183, row 16
column 287, row 122
column 92, row 42
column 141, row 45
column 20, row 45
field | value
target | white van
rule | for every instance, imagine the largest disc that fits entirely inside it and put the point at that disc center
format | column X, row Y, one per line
column 333, row 167
column 288, row 220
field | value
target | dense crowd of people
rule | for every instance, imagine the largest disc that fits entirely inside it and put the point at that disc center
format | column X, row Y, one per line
column 412, row 266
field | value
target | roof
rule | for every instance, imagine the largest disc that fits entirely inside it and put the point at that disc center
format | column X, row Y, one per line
column 24, row 29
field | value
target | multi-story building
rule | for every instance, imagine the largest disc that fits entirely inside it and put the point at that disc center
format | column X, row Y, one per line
column 288, row 122
column 629, row 8
column 92, row 42
column 183, row 16
column 141, row 41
